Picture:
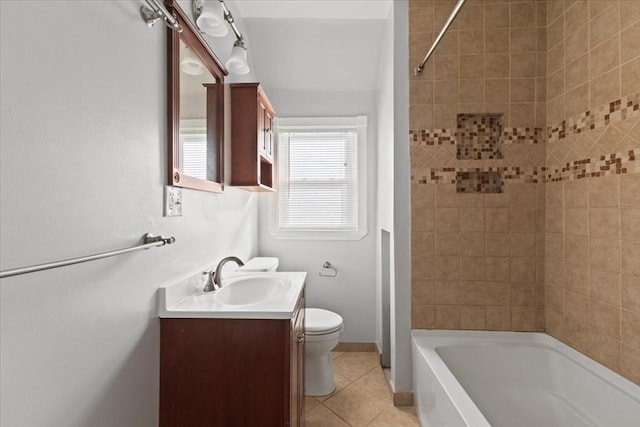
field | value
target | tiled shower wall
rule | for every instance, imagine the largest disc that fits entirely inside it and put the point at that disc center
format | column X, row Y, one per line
column 478, row 259
column 593, row 197
column 566, row 75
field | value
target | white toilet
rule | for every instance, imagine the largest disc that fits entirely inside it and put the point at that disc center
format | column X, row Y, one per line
column 322, row 330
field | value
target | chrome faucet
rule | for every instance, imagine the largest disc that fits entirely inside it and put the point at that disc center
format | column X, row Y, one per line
column 215, row 276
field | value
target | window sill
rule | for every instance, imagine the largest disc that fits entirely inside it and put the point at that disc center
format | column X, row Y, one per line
column 318, row 235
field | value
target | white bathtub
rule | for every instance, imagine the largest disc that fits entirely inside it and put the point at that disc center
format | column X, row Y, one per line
column 513, row 379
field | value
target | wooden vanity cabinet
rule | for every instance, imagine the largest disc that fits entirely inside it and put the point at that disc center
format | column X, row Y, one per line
column 252, row 141
column 232, row 372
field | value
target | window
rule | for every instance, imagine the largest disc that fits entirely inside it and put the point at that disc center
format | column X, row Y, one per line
column 321, row 178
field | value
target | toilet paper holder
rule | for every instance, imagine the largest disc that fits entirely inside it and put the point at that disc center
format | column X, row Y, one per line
column 327, row 266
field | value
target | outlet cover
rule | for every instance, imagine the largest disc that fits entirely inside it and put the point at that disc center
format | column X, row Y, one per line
column 172, row 201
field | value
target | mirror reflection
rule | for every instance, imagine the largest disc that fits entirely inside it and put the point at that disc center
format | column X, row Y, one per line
column 197, row 154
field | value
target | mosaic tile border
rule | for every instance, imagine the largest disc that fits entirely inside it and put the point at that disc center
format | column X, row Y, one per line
column 612, row 164
column 519, row 135
column 620, row 109
column 479, row 136
column 479, row 182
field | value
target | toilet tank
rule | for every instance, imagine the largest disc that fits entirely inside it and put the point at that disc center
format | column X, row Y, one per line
column 261, row 264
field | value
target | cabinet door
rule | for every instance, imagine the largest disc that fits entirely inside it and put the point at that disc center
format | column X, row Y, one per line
column 261, row 127
column 268, row 135
column 296, row 404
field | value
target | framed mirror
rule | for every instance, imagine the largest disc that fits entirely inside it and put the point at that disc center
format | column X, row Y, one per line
column 195, row 109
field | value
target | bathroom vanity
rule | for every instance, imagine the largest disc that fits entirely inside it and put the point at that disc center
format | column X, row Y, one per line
column 233, row 364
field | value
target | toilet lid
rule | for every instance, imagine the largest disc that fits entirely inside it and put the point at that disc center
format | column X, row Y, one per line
column 318, row 321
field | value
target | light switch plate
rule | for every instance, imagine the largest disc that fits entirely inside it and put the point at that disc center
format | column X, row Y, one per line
column 172, row 201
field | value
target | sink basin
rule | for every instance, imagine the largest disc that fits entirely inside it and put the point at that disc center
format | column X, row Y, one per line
column 246, row 290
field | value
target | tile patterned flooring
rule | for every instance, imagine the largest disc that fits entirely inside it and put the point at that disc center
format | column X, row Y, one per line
column 362, row 397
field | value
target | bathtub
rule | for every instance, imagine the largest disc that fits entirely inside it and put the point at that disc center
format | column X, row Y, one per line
column 515, row 379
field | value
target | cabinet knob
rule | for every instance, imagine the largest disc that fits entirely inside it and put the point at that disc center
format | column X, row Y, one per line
column 301, row 338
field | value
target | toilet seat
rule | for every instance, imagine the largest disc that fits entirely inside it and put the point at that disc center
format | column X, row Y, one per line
column 321, row 322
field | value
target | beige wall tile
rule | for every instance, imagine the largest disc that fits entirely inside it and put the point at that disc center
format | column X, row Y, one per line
column 577, row 307
column 445, row 91
column 605, row 88
column 471, row 16
column 605, row 350
column 497, row 200
column 523, row 318
column 499, row 318
column 577, row 278
column 604, row 25
column 497, row 269
column 471, row 41
column 604, row 319
column 630, row 190
column 471, row 91
column 472, row 243
column 423, row 316
column 577, row 100
column 522, row 244
column 522, row 115
column 604, row 222
column 554, row 246
column 577, row 72
column 630, row 77
column 555, row 59
column 496, row 91
column 473, row 292
column 554, row 220
column 472, row 268
column 630, row 328
column 447, row 268
column 471, row 200
column 630, row 42
column 422, row 220
column 576, row 249
column 577, row 334
column 554, row 323
column 596, row 7
column 629, row 12
column 576, row 221
column 631, row 293
column 604, row 191
column 473, row 317
column 422, row 267
column 524, row 64
column 496, row 15
column 576, row 193
column 497, row 219
column 630, row 224
column 422, row 291
column 421, row 117
column 604, row 254
column 471, row 66
column 576, row 16
column 421, row 19
column 630, row 258
column 496, row 40
column 446, row 292
column 497, row 65
column 422, row 243
column 444, row 116
column 421, row 92
column 445, row 67
column 447, row 317
column 523, row 294
column 523, row 14
column 497, row 293
column 555, row 110
column 554, row 298
column 555, row 32
column 577, row 44
column 523, row 90
column 446, row 196
column 604, row 286
column 447, row 244
column 447, row 220
column 523, row 220
column 605, row 56
column 472, row 220
column 630, row 363
column 523, row 269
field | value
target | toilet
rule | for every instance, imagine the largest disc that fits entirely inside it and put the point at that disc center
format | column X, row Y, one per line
column 322, row 331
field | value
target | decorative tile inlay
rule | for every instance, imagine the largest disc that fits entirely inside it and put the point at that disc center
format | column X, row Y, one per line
column 613, row 164
column 620, row 109
column 430, row 137
column 479, row 182
column 479, row 136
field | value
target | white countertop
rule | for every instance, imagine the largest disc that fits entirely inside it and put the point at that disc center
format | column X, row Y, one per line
column 186, row 299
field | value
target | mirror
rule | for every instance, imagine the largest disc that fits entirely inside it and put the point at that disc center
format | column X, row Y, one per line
column 196, row 109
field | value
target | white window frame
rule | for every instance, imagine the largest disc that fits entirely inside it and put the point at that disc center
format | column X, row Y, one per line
column 360, row 123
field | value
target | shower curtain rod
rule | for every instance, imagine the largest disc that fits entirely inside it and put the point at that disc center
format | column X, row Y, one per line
column 447, row 24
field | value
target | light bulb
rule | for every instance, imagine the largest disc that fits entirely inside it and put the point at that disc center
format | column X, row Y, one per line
column 237, row 63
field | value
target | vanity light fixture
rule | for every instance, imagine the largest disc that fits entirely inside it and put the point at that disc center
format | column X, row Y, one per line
column 210, row 17
column 156, row 11
column 207, row 19
column 190, row 64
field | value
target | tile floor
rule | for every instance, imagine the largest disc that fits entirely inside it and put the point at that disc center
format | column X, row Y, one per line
column 362, row 397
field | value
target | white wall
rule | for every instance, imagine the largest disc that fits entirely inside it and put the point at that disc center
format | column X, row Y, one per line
column 352, row 293
column 82, row 169
column 401, row 247
column 384, row 176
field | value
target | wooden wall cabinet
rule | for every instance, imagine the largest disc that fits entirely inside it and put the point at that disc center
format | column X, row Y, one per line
column 232, row 372
column 252, row 141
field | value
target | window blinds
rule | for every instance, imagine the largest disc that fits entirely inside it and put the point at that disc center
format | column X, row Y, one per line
column 318, row 179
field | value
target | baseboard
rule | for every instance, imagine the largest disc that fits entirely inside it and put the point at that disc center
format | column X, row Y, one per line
column 356, row 346
column 402, row 398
